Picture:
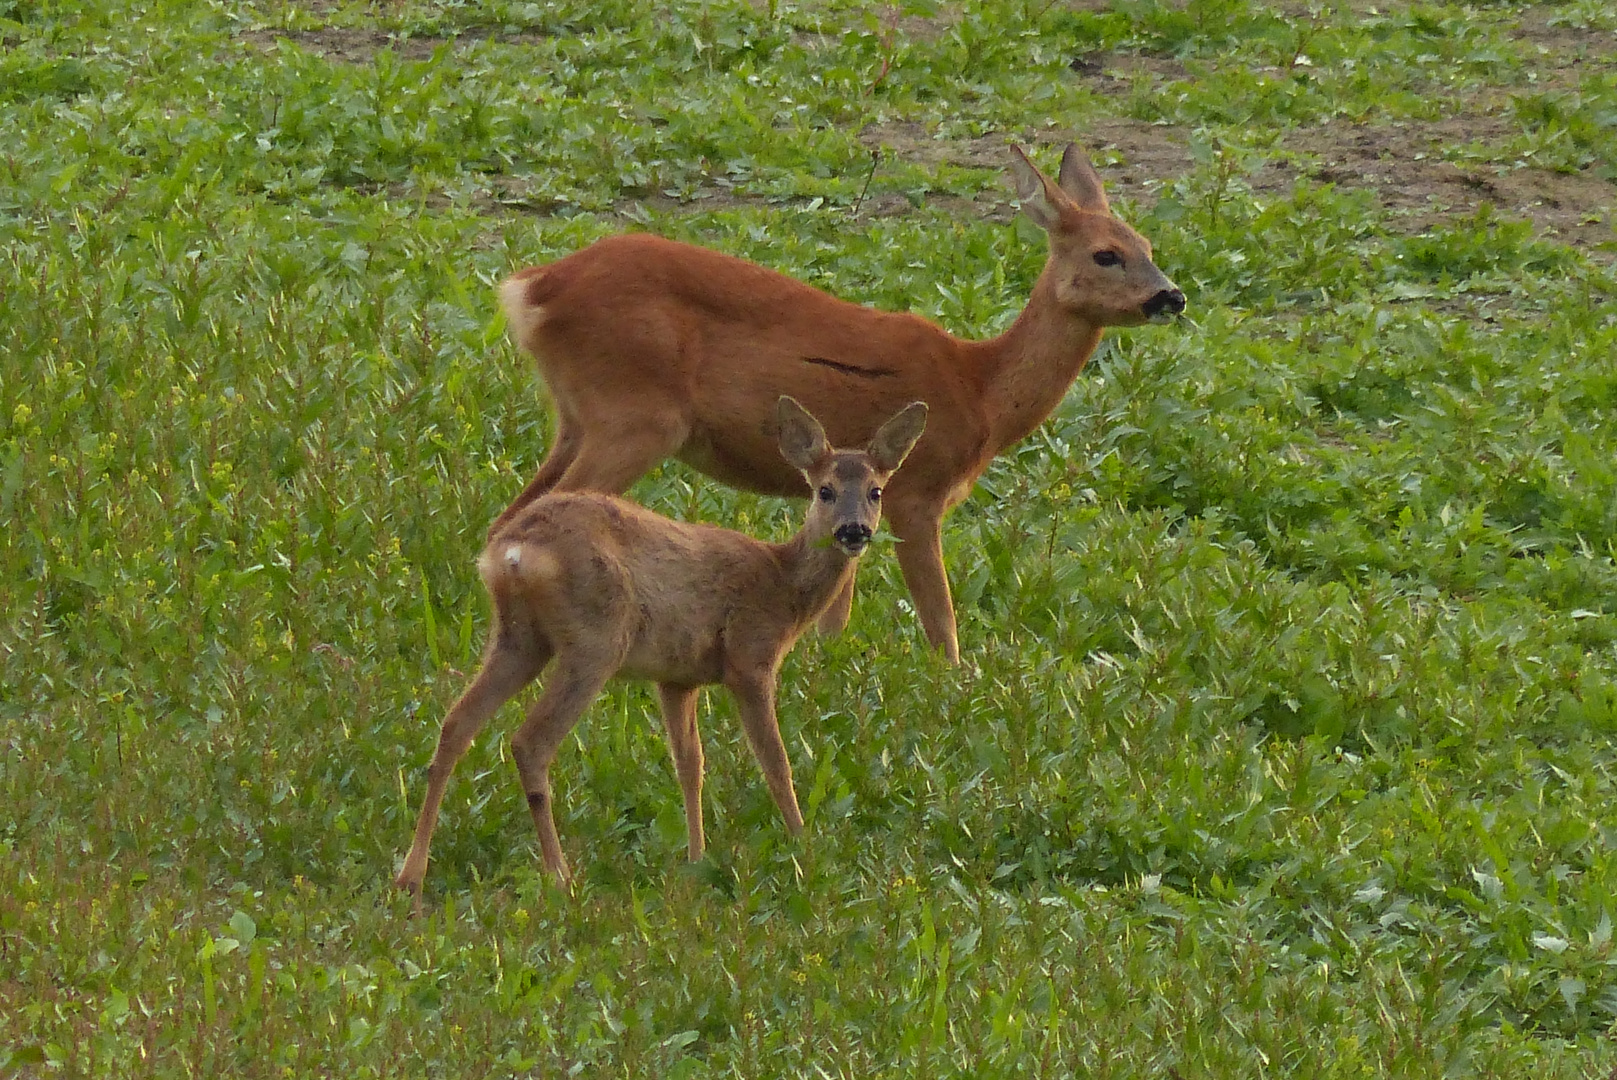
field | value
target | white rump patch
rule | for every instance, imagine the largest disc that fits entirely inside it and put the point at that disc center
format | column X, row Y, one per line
column 523, row 319
column 513, row 556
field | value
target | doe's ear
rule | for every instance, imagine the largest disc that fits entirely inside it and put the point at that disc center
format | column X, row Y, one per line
column 1079, row 180
column 894, row 439
column 1033, row 191
column 802, row 439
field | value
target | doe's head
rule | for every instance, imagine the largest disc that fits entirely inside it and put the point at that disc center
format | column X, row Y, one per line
column 845, row 485
column 1102, row 269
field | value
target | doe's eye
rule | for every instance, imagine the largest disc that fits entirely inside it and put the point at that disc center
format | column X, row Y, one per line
column 875, row 494
column 827, row 495
column 1108, row 258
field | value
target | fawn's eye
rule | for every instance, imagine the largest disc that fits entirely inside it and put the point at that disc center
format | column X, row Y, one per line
column 827, row 495
column 875, row 494
column 1108, row 258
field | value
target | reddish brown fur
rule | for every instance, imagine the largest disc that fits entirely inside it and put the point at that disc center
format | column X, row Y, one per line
column 604, row 587
column 653, row 348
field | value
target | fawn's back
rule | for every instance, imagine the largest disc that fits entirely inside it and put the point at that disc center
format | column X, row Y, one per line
column 582, row 569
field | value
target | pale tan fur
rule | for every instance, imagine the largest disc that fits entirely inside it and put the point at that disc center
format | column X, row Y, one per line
column 652, row 349
column 604, row 587
column 522, row 321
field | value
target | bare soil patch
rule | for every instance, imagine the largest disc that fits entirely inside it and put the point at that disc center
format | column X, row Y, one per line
column 345, row 44
column 1114, row 74
column 1140, row 156
column 1566, row 54
column 893, row 21
column 1402, row 163
column 499, row 194
column 911, row 141
column 356, row 45
column 1136, row 155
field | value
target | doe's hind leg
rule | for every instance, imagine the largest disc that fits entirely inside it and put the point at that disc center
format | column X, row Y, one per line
column 612, row 455
column 562, row 453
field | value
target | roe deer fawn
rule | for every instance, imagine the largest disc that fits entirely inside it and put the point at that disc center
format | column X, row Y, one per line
column 652, row 348
column 605, row 587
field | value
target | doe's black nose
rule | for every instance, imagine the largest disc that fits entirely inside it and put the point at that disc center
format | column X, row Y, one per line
column 853, row 535
column 1166, row 302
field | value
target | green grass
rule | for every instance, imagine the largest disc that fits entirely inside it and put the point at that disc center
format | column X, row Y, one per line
column 1285, row 742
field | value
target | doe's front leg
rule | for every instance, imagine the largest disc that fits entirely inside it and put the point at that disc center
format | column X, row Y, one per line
column 834, row 619
column 920, row 558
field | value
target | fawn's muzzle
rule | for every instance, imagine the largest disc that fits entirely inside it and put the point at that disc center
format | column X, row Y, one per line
column 852, row 538
column 1164, row 305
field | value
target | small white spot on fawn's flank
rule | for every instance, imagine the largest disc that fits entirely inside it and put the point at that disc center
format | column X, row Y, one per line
column 513, row 556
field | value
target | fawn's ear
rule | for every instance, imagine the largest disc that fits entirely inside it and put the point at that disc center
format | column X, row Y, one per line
column 1081, row 182
column 895, row 438
column 802, row 439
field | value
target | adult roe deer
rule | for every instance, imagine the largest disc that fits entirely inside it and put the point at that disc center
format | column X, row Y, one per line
column 652, row 348
column 605, row 587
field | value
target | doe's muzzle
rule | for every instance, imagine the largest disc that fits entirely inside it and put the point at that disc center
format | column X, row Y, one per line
column 1164, row 305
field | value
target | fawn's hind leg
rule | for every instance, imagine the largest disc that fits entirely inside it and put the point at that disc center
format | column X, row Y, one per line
column 572, row 685
column 509, row 666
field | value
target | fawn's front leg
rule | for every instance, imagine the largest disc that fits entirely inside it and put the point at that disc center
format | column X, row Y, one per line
column 685, row 747
column 755, row 700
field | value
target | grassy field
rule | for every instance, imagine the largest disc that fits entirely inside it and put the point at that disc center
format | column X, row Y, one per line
column 1285, row 744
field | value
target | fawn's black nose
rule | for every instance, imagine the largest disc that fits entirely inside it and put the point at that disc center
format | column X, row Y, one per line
column 853, row 537
column 1165, row 303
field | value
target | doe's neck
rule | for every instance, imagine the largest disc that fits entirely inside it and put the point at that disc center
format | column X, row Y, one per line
column 1026, row 370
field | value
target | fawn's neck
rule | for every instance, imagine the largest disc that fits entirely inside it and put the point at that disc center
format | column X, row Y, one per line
column 1026, row 370
column 815, row 569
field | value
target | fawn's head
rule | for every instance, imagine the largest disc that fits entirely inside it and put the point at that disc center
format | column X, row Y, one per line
column 845, row 485
column 1102, row 268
